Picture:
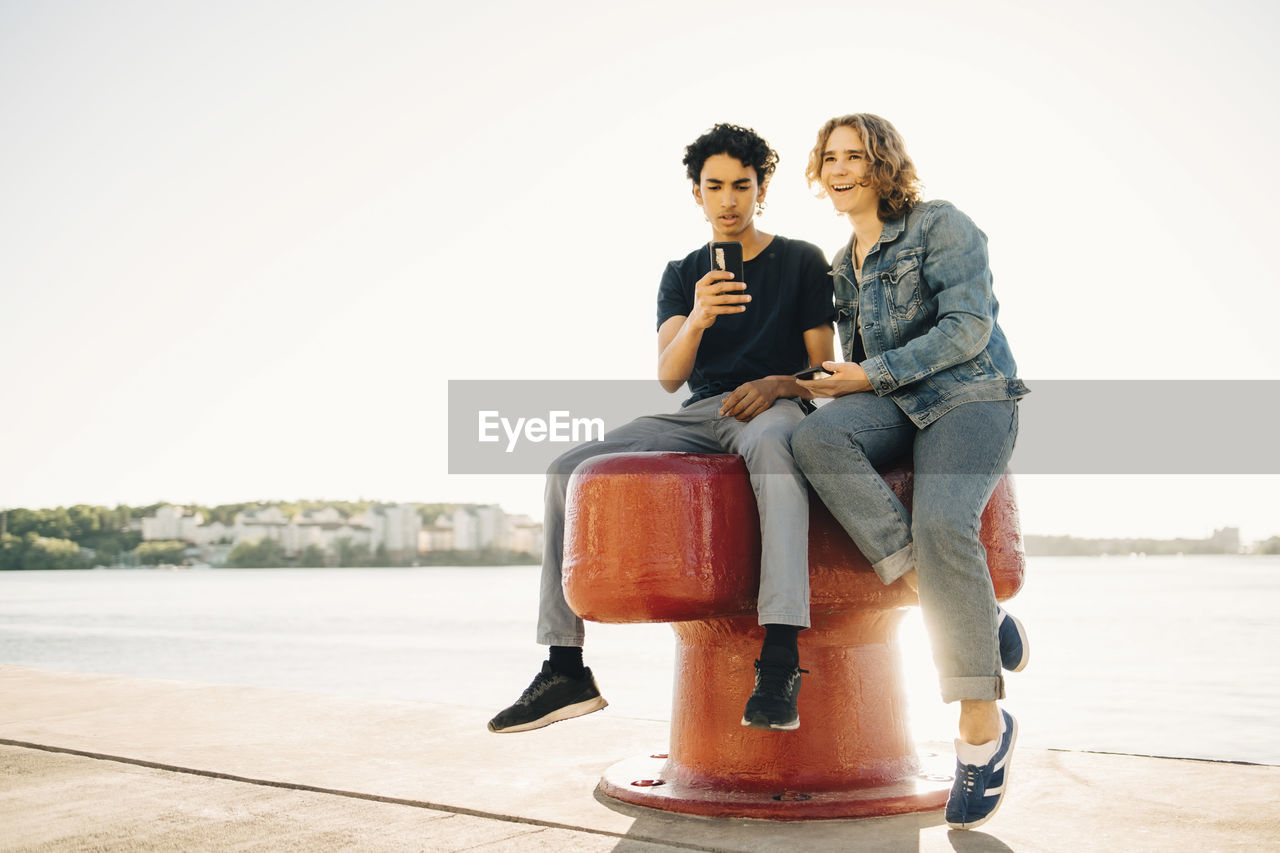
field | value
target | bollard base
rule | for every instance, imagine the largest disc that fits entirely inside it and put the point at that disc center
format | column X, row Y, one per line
column 647, row 782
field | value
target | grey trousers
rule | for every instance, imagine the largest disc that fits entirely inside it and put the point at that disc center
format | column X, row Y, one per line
column 782, row 496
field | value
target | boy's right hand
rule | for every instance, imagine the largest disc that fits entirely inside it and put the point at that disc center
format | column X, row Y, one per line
column 717, row 293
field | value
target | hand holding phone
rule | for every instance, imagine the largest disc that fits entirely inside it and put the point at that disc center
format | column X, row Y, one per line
column 727, row 255
column 715, row 294
column 848, row 378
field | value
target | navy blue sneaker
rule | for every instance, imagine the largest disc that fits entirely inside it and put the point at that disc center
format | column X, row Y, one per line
column 979, row 788
column 1015, row 651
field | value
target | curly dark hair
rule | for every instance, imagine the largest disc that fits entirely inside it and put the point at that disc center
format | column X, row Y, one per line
column 740, row 142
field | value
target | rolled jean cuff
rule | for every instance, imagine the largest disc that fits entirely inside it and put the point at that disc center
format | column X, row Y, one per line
column 983, row 688
column 562, row 640
column 896, row 564
column 795, row 620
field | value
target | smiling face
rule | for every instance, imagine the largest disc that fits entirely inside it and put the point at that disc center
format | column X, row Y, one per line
column 728, row 192
column 846, row 173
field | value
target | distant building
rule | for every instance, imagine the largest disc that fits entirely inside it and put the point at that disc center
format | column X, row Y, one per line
column 396, row 527
column 265, row 523
column 437, row 536
column 171, row 523
column 479, row 527
column 524, row 534
column 323, row 529
column 1228, row 538
column 216, row 533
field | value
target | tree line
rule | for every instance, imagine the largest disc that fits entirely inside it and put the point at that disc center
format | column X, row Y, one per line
column 82, row 536
column 68, row 537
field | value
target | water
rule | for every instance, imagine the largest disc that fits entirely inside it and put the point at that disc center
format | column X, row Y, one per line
column 1158, row 656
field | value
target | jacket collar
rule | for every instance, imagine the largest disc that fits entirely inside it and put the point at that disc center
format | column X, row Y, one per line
column 889, row 231
column 844, row 262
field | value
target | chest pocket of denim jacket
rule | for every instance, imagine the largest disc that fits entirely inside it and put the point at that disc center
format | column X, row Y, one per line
column 846, row 313
column 902, row 286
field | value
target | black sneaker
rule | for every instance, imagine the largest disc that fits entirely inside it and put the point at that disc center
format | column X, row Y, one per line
column 551, row 697
column 772, row 705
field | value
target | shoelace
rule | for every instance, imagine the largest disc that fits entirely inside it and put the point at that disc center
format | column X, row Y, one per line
column 970, row 779
column 776, row 677
column 541, row 682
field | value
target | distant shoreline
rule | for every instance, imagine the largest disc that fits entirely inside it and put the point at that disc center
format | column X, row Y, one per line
column 1224, row 541
column 1126, row 557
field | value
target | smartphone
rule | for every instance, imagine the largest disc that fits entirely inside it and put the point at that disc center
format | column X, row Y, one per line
column 728, row 256
column 818, row 372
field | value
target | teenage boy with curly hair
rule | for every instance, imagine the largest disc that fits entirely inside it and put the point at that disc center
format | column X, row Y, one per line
column 737, row 345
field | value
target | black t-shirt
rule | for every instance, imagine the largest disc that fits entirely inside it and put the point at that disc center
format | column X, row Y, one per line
column 791, row 292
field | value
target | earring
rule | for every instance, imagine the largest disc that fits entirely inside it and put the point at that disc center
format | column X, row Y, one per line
column 760, row 208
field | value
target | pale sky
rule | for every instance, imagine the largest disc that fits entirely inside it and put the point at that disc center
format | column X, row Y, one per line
column 243, row 246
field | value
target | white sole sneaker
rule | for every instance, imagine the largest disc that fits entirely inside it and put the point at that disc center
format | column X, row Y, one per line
column 568, row 712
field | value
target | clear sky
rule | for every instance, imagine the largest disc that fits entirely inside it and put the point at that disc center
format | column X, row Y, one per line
column 244, row 245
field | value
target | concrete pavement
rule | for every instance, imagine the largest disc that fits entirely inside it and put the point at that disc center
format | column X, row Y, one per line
column 105, row 763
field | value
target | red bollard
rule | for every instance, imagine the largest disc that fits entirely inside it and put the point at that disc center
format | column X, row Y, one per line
column 675, row 537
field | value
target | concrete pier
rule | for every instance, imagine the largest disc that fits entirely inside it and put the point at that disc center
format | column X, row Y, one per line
column 105, row 763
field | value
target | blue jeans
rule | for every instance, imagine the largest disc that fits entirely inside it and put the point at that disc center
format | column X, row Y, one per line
column 958, row 460
column 781, row 497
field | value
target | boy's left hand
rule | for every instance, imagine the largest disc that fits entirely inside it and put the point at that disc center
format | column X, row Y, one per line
column 845, row 378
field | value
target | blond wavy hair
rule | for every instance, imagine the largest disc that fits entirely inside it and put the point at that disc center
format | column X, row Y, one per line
column 891, row 170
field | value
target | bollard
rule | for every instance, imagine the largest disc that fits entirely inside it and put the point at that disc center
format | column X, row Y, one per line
column 675, row 537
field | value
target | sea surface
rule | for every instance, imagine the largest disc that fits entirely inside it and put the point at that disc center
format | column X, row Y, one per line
column 1168, row 656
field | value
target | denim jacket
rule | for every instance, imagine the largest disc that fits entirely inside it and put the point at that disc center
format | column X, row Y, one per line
column 927, row 315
